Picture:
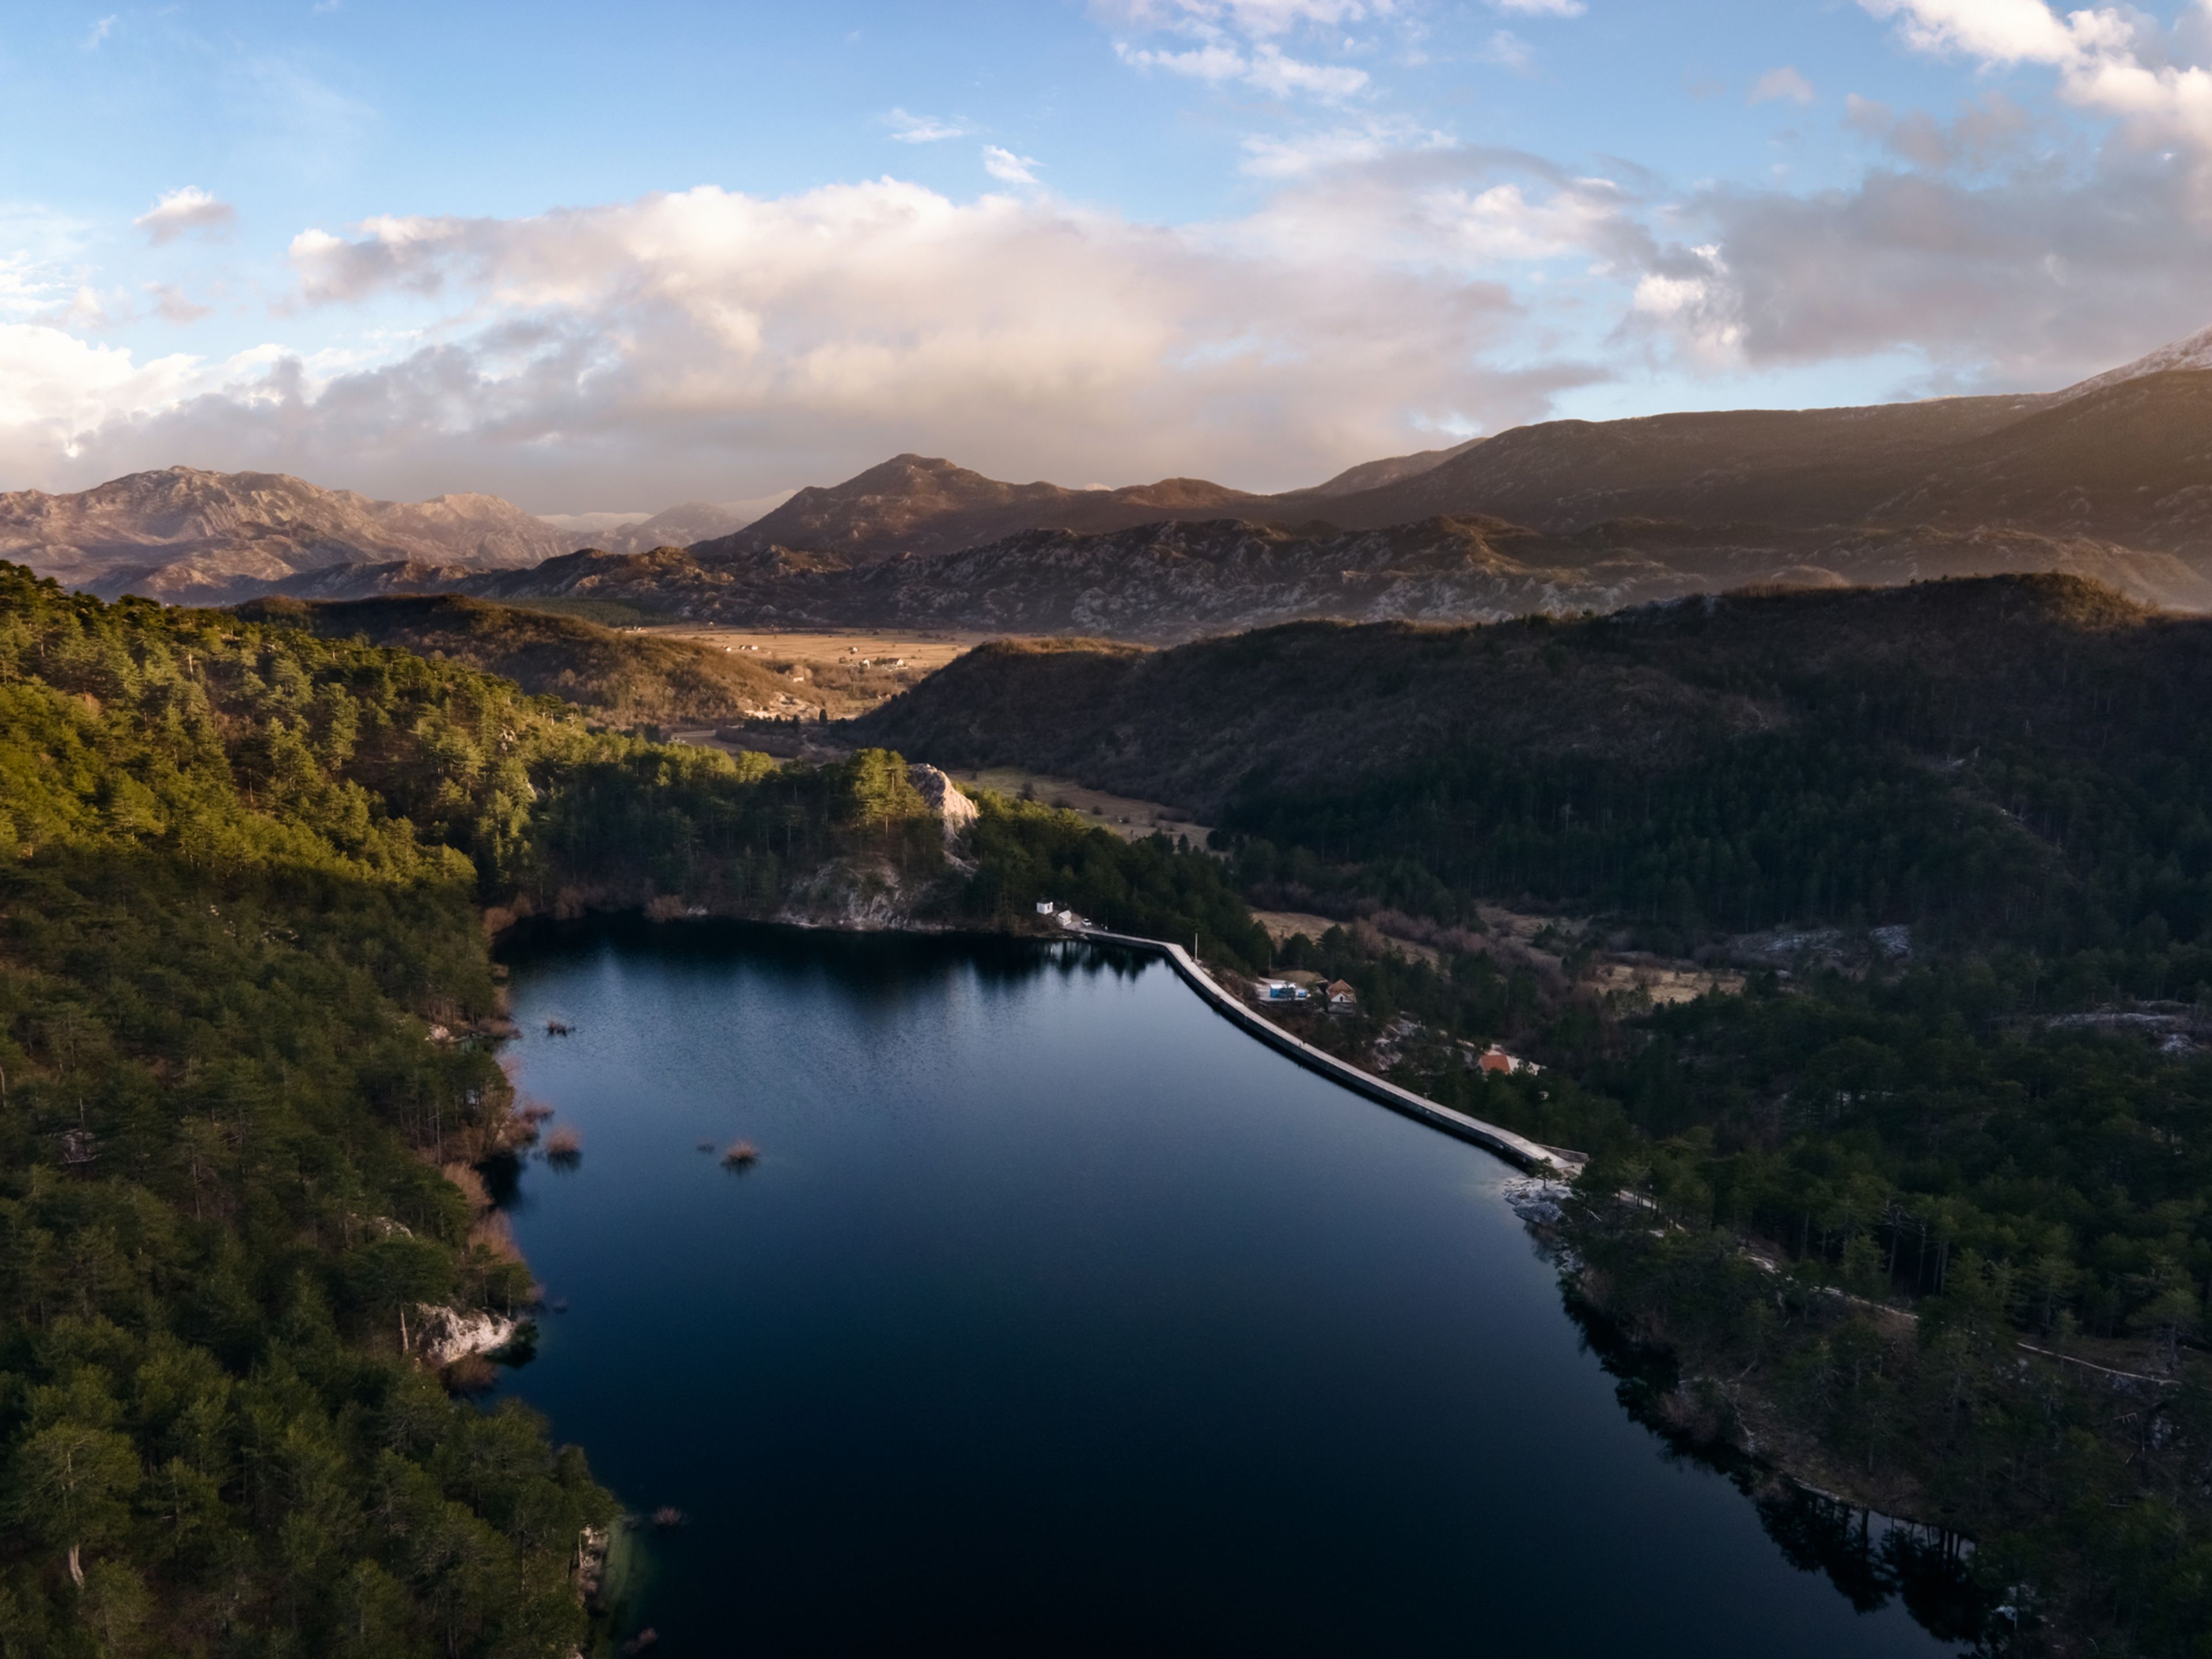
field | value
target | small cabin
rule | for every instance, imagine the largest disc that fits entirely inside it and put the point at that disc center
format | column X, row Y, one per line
column 1046, row 907
column 1495, row 1059
column 1342, row 998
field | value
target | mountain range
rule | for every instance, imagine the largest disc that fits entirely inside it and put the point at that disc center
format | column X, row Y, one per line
column 186, row 535
column 2110, row 479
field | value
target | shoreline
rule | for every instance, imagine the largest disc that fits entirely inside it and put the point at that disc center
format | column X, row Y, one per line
column 1518, row 1149
column 1514, row 1149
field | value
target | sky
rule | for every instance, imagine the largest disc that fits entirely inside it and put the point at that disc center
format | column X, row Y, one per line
column 607, row 258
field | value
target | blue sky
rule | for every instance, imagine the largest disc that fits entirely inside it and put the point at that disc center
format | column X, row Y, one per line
column 606, row 258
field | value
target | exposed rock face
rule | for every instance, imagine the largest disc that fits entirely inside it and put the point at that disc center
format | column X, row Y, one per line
column 182, row 533
column 849, row 897
column 1173, row 581
column 945, row 801
column 447, row 1335
column 371, row 581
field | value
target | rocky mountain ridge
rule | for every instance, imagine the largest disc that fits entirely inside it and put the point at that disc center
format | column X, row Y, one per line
column 1165, row 582
column 919, row 504
column 2111, row 480
column 187, row 534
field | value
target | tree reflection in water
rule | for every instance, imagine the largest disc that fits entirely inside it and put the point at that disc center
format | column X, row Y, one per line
column 1872, row 1558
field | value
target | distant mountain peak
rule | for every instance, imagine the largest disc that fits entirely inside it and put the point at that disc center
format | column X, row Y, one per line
column 187, row 533
column 2193, row 353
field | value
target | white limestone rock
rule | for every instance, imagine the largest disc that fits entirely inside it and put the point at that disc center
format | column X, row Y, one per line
column 447, row 1335
column 944, row 800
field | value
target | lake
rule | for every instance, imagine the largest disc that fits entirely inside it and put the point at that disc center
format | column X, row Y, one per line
column 1059, row 1318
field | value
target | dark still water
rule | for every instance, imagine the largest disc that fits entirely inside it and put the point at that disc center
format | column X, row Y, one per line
column 1059, row 1318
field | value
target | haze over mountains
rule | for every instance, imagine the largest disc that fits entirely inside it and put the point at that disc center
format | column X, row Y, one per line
column 2110, row 479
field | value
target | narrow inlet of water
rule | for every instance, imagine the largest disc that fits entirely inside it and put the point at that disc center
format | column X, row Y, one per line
column 1059, row 1318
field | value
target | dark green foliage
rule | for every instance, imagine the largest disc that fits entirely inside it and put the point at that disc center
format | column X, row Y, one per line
column 238, row 886
column 1028, row 853
column 1986, row 1140
column 628, row 678
column 1983, row 760
column 240, row 873
column 1745, row 835
column 2085, row 1492
column 1469, row 999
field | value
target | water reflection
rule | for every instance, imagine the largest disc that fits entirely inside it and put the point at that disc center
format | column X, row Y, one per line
column 1059, row 1316
column 1873, row 1560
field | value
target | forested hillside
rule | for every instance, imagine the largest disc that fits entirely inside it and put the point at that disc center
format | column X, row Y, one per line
column 1958, row 837
column 1988, row 758
column 245, row 1001
column 630, row 678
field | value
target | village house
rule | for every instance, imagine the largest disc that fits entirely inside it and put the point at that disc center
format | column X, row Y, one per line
column 1495, row 1059
column 1342, row 998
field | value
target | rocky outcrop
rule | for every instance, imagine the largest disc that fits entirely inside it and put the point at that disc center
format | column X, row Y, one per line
column 850, row 896
column 945, row 801
column 446, row 1334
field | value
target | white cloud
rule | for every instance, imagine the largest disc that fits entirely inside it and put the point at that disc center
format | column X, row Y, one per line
column 175, row 305
column 1777, row 84
column 1509, row 50
column 1007, row 167
column 2111, row 61
column 1542, row 8
column 55, row 388
column 1265, row 68
column 1304, row 154
column 187, row 209
column 714, row 344
column 1698, row 306
column 1260, row 18
column 1238, row 42
column 922, row 128
column 99, row 32
column 2000, row 30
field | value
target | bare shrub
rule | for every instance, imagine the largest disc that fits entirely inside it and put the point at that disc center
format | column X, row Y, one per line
column 471, row 1185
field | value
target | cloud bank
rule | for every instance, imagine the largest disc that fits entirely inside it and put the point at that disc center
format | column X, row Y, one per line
column 639, row 349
